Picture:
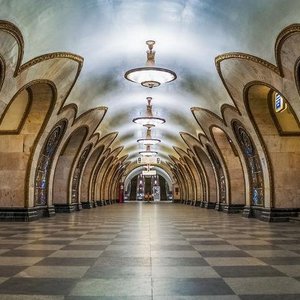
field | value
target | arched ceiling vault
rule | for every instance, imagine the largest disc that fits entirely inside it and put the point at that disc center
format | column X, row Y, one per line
column 111, row 36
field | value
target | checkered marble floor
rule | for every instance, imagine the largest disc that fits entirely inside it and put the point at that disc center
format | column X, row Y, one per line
column 149, row 251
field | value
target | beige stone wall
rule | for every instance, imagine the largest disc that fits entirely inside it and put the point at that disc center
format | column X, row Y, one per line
column 64, row 165
column 86, row 175
column 15, row 149
column 210, row 175
column 233, row 165
column 284, row 151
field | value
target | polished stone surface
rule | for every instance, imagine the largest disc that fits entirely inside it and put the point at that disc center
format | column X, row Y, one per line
column 160, row 251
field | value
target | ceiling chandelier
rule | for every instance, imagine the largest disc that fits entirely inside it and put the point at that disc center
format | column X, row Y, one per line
column 149, row 140
column 149, row 119
column 150, row 76
column 148, row 152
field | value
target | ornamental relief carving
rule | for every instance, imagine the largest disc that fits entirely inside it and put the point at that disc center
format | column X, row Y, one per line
column 45, row 163
column 253, row 164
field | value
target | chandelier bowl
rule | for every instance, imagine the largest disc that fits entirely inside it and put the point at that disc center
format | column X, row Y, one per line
column 149, row 141
column 148, row 153
column 150, row 76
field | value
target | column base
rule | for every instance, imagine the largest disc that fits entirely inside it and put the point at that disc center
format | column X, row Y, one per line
column 232, row 208
column 177, row 200
column 21, row 214
column 86, row 205
column 65, row 208
column 78, row 206
column 270, row 214
column 99, row 203
column 210, row 205
column 203, row 203
column 218, row 207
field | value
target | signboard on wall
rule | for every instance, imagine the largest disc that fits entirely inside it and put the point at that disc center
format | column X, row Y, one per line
column 149, row 173
column 148, row 160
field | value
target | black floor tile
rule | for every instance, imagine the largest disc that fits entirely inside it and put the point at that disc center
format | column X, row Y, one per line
column 65, row 261
column 37, row 286
column 270, row 297
column 123, row 261
column 28, row 253
column 258, row 247
column 281, row 260
column 224, row 253
column 107, row 298
column 10, row 246
column 117, row 272
column 52, row 242
column 125, row 253
column 191, row 287
column 172, row 248
column 199, row 236
column 247, row 271
column 9, row 271
column 179, row 261
column 209, row 242
column 84, row 247
column 127, row 243
column 284, row 242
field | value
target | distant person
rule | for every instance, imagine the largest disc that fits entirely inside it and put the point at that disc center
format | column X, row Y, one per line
column 147, row 197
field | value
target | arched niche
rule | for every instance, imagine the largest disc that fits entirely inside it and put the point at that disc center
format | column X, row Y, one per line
column 191, row 183
column 44, row 165
column 198, row 190
column 20, row 128
column 119, row 179
column 64, row 165
column 16, row 113
column 114, row 180
column 253, row 164
column 181, row 194
column 201, row 172
column 237, row 197
column 101, row 177
column 87, row 173
column 97, row 179
column 112, row 184
column 75, row 199
column 222, row 195
column 211, row 178
column 109, row 191
column 105, row 182
column 279, row 131
column 184, row 181
column 93, row 181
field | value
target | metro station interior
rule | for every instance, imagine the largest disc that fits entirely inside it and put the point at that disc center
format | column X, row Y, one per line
column 150, row 149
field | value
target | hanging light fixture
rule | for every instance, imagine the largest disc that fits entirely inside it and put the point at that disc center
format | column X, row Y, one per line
column 149, row 140
column 148, row 152
column 150, row 76
column 149, row 119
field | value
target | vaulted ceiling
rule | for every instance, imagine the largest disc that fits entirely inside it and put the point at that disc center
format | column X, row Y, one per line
column 111, row 35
